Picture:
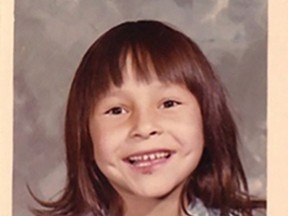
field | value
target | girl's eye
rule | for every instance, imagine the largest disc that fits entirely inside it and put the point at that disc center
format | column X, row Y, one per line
column 170, row 103
column 116, row 111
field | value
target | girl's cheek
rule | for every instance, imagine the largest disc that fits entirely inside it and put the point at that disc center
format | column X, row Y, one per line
column 109, row 132
column 179, row 116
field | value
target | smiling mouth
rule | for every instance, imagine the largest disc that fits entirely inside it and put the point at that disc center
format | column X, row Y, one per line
column 149, row 159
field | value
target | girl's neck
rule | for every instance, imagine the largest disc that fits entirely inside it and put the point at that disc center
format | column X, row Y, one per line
column 170, row 205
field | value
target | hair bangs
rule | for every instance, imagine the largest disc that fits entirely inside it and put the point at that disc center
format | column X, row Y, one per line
column 150, row 61
column 165, row 54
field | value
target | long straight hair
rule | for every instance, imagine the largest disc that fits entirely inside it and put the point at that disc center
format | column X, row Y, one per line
column 219, row 180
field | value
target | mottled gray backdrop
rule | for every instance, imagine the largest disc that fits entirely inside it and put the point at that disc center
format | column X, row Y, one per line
column 51, row 37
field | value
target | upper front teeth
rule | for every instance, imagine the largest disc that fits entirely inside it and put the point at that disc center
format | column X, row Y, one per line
column 151, row 156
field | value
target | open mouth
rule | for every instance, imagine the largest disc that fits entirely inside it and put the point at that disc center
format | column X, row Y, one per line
column 148, row 159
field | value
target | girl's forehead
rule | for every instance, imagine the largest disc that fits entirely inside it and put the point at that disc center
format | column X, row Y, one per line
column 136, row 73
column 137, row 68
column 132, row 83
column 132, row 73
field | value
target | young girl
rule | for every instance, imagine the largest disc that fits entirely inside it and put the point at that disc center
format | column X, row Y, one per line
column 148, row 131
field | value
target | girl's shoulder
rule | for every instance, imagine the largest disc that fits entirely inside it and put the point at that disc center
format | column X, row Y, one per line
column 197, row 208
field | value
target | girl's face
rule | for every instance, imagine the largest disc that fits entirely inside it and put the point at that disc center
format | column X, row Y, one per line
column 147, row 137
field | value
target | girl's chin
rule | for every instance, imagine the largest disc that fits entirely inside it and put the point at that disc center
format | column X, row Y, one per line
column 154, row 193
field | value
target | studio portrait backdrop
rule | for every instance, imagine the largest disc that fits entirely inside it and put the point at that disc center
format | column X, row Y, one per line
column 51, row 38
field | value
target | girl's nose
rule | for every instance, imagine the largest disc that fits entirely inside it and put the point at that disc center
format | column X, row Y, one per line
column 145, row 125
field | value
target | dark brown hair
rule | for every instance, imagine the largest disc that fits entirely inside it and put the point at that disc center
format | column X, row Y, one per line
column 219, row 180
